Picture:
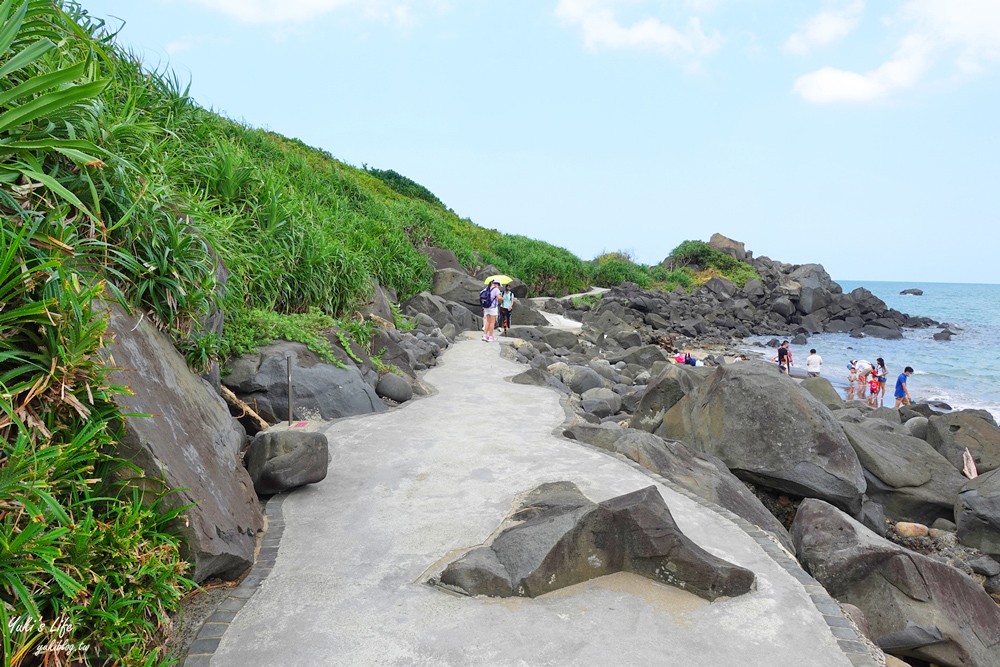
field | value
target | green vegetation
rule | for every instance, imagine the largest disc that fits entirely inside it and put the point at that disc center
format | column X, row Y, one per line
column 614, row 268
column 115, row 185
column 711, row 262
column 585, row 301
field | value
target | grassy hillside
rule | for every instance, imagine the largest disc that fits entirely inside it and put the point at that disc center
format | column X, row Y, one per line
column 114, row 183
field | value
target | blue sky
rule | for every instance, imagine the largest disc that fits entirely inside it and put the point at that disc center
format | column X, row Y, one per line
column 861, row 135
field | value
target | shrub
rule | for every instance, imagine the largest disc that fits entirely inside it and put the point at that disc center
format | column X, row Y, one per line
column 615, row 268
column 704, row 256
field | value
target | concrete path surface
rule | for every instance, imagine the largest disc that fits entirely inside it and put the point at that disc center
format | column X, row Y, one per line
column 411, row 487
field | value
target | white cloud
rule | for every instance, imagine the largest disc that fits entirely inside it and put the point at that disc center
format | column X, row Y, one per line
column 904, row 69
column 826, row 28
column 602, row 29
column 177, row 46
column 964, row 34
column 300, row 11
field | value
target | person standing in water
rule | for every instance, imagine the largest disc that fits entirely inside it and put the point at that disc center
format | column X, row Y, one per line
column 881, row 373
column 902, row 391
column 814, row 363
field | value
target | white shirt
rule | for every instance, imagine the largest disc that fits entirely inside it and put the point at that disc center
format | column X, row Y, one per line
column 813, row 363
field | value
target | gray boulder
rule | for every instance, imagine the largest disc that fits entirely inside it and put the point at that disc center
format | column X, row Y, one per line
column 441, row 258
column 442, row 311
column 977, row 513
column 394, row 388
column 320, row 390
column 552, row 337
column 950, row 434
column 905, row 475
column 915, row 606
column 770, row 431
column 663, row 391
column 701, row 474
column 613, row 400
column 524, row 313
column 581, row 378
column 283, row 460
column 823, row 391
column 539, row 378
column 190, row 442
column 729, row 246
column 557, row 538
column 917, row 427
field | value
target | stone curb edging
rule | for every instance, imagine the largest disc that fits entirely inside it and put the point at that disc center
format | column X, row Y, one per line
column 210, row 634
column 842, row 629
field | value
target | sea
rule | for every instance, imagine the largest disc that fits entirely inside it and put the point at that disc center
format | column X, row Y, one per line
column 963, row 372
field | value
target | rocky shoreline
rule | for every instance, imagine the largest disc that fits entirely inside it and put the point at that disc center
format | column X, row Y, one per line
column 787, row 455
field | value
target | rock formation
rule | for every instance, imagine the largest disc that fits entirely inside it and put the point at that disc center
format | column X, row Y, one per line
column 557, row 537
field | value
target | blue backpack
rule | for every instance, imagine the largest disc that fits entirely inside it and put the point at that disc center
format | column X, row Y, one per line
column 486, row 297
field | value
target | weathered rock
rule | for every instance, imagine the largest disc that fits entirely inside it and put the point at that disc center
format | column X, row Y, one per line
column 613, row 400
column 823, row 391
column 916, row 607
column 190, row 442
column 914, row 291
column 770, row 431
column 950, row 434
column 394, row 388
column 977, row 513
column 441, row 258
column 729, row 246
column 458, row 286
column 917, row 427
column 552, row 337
column 581, row 378
column 282, row 460
column 442, row 311
column 321, row 390
column 701, row 474
column 524, row 314
column 663, row 391
column 540, row 378
column 557, row 538
column 877, row 331
column 906, row 476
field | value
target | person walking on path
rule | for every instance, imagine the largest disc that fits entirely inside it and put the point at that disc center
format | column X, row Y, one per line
column 784, row 357
column 814, row 363
column 490, row 312
column 902, row 391
column 506, row 305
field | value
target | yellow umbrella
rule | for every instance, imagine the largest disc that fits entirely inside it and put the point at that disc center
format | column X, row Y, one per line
column 500, row 278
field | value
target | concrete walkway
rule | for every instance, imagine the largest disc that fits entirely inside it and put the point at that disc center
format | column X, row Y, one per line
column 410, row 487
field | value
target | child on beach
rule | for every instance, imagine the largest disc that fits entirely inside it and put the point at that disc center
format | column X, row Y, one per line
column 873, row 387
column 852, row 378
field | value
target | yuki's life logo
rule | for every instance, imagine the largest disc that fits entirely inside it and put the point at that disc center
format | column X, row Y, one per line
column 55, row 635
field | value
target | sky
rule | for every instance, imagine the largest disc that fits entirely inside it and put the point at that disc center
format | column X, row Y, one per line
column 861, row 135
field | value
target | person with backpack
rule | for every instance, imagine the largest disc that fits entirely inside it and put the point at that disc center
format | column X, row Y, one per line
column 488, row 299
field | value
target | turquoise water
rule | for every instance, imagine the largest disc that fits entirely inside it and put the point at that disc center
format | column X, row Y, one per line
column 964, row 372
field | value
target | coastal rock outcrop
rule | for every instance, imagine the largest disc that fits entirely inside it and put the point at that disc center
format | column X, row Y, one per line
column 320, row 390
column 915, row 606
column 188, row 440
column 556, row 537
column 977, row 513
column 769, row 431
column 976, row 430
column 905, row 475
column 702, row 474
